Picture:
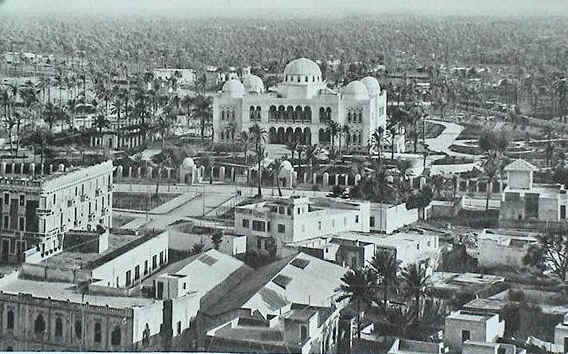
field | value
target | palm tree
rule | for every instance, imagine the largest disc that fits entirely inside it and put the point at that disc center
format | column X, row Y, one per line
column 50, row 115
column 300, row 149
column 39, row 137
column 186, row 102
column 275, row 167
column 416, row 283
column 311, row 155
column 491, row 168
column 359, row 287
column 340, row 131
column 244, row 139
column 230, row 130
column 386, row 267
column 403, row 166
column 258, row 138
column 332, row 130
column 202, row 110
column 101, row 122
column 347, row 133
column 376, row 141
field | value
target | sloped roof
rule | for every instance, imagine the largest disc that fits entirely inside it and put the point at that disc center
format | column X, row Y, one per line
column 315, row 284
column 520, row 165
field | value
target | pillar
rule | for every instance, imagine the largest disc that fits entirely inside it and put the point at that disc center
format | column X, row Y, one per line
column 129, row 171
column 325, row 179
column 466, row 185
column 201, row 172
column 477, row 186
column 13, row 168
column 422, row 182
column 222, row 173
column 168, row 172
column 50, row 168
column 3, row 169
column 22, row 168
column 139, row 172
column 232, row 174
column 149, row 171
column 61, row 168
column 314, row 178
column 32, row 169
column 357, row 179
column 294, row 178
column 198, row 174
column 119, row 171
column 305, row 176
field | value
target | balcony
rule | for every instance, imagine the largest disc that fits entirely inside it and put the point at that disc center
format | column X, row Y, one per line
column 44, row 211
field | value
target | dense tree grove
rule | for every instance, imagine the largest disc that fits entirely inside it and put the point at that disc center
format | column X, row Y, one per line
column 272, row 41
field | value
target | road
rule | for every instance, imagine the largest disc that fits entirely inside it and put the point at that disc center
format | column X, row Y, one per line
column 442, row 142
column 209, row 197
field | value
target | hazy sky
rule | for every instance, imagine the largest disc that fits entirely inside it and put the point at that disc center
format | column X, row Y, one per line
column 239, row 7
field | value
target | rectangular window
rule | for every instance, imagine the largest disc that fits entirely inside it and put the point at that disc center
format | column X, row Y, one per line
column 258, row 243
column 319, row 225
column 299, row 210
column 6, row 199
column 258, row 225
column 161, row 257
column 290, row 211
column 137, row 272
column 54, row 198
column 281, row 210
column 6, row 222
column 179, row 328
column 281, row 228
column 245, row 223
column 22, row 200
column 128, row 277
column 466, row 335
column 154, row 262
column 356, row 219
column 303, row 333
column 372, row 221
column 145, row 267
column 22, row 224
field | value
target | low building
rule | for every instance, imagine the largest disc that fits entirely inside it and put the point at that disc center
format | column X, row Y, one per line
column 447, row 285
column 472, row 347
column 354, row 249
column 561, row 334
column 38, row 207
column 53, row 316
column 281, row 300
column 503, row 250
column 184, row 77
column 524, row 200
column 301, row 329
column 463, row 326
column 193, row 283
column 406, row 346
column 388, row 218
column 274, row 222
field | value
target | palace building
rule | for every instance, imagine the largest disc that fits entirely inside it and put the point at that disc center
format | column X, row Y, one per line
column 299, row 108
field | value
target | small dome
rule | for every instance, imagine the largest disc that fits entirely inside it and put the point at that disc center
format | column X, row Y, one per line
column 356, row 90
column 303, row 67
column 372, row 85
column 253, row 83
column 234, row 88
column 188, row 163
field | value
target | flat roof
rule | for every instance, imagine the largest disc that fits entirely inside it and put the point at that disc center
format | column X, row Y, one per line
column 69, row 291
column 469, row 316
column 70, row 259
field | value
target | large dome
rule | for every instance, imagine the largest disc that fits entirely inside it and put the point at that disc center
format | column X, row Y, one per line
column 356, row 90
column 253, row 83
column 234, row 88
column 303, row 69
column 188, row 163
column 372, row 85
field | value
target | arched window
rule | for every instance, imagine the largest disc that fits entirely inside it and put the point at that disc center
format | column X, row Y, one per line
column 10, row 320
column 306, row 79
column 299, row 79
column 222, row 115
column 360, row 117
column 98, row 333
column 349, row 117
column 39, row 324
column 78, row 329
column 252, row 112
column 115, row 336
column 58, row 327
column 322, row 114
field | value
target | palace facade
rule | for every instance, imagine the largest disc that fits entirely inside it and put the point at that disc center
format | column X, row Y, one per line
column 300, row 107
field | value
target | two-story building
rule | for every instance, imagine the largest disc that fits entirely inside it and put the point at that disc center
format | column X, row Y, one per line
column 274, row 222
